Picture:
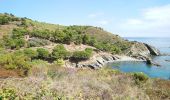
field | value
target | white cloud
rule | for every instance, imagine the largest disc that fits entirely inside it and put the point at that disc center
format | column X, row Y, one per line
column 155, row 21
column 157, row 13
column 134, row 22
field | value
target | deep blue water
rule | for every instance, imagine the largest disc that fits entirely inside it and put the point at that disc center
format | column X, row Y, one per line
column 163, row 72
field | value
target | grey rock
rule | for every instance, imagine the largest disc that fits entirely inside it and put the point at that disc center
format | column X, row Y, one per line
column 100, row 60
column 108, row 58
column 115, row 57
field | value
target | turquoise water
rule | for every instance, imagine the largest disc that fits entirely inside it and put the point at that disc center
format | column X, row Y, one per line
column 163, row 72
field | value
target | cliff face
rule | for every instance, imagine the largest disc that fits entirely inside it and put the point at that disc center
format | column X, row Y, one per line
column 142, row 50
column 153, row 50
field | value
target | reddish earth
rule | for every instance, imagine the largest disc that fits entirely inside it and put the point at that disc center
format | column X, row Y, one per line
column 8, row 73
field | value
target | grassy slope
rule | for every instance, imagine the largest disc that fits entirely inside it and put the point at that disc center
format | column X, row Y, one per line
column 75, row 84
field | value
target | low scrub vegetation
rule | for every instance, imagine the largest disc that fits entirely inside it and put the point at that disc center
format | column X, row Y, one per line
column 54, row 82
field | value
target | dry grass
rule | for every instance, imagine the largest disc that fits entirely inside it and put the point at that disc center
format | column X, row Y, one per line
column 59, row 82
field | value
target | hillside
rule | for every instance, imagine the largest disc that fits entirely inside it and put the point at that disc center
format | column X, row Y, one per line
column 46, row 61
column 71, row 45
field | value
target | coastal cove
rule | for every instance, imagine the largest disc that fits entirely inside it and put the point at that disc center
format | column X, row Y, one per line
column 152, row 71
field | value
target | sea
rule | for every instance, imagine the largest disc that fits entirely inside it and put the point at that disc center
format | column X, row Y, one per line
column 162, row 72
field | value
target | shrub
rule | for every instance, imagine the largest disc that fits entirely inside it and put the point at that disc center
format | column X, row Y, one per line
column 80, row 55
column 140, row 77
column 4, row 19
column 37, row 42
column 59, row 62
column 30, row 53
column 16, row 60
column 18, row 33
column 86, row 39
column 42, row 53
column 89, row 50
column 7, row 94
column 59, row 52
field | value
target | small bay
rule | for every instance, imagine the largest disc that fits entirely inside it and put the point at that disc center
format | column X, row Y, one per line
column 152, row 71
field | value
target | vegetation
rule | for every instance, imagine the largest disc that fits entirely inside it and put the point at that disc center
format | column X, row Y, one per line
column 82, row 55
column 43, row 53
column 36, row 42
column 59, row 52
column 16, row 60
column 31, row 53
column 39, row 60
column 6, row 18
column 87, row 84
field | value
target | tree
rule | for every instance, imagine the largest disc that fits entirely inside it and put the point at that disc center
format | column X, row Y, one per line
column 42, row 53
column 59, row 52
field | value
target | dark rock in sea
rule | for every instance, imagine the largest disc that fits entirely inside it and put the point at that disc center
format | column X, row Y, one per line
column 167, row 60
column 153, row 50
column 150, row 62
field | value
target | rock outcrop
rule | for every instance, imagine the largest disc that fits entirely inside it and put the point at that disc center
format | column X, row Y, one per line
column 137, row 52
column 142, row 50
column 153, row 50
column 150, row 62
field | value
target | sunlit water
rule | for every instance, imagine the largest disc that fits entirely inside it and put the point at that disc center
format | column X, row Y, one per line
column 163, row 72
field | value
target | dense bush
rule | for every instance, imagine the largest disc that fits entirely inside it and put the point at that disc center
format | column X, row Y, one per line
column 140, row 77
column 6, row 18
column 30, row 53
column 8, row 94
column 43, row 53
column 59, row 52
column 59, row 62
column 82, row 55
column 19, row 33
column 16, row 60
column 16, row 39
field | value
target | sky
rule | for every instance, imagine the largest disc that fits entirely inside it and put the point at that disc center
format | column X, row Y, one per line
column 127, row 18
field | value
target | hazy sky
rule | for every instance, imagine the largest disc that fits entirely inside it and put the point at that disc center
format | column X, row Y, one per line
column 124, row 17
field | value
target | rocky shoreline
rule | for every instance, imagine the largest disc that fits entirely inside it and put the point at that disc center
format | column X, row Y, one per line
column 141, row 52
